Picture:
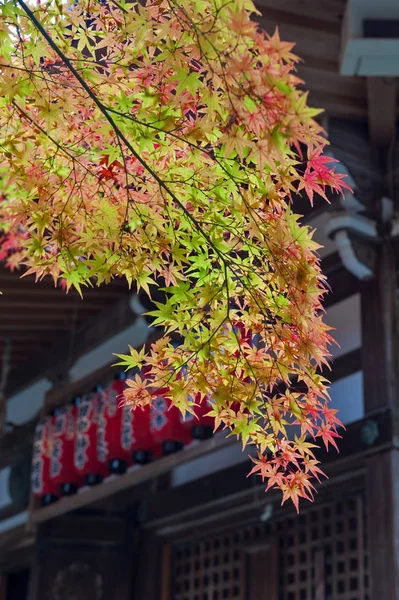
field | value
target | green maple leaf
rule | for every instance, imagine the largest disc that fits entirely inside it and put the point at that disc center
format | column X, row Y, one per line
column 245, row 429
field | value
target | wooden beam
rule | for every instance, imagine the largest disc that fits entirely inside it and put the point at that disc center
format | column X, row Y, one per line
column 282, row 14
column 338, row 105
column 314, row 62
column 325, row 45
column 320, row 80
column 42, row 325
column 260, row 581
column 301, row 206
column 182, row 505
column 344, row 366
column 327, row 11
column 166, row 572
column 61, row 315
column 174, row 501
column 149, row 567
column 342, row 283
column 21, row 337
column 12, row 537
column 58, row 304
column 14, row 290
column 91, row 333
column 3, row 586
column 131, row 479
column 350, row 144
column 379, row 316
column 8, row 511
column 16, row 281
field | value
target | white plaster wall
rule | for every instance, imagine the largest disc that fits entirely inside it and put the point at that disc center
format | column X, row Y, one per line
column 23, row 406
column 211, row 463
column 5, row 499
column 344, row 317
column 318, row 223
column 135, row 335
column 347, row 396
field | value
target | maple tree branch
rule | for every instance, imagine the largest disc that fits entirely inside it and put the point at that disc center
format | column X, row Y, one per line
column 202, row 191
column 111, row 121
column 105, row 111
column 123, row 138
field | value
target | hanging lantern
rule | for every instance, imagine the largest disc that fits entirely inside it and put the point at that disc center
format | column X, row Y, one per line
column 87, row 464
column 41, row 484
column 144, row 448
column 168, row 432
column 123, row 434
column 115, row 438
column 63, row 472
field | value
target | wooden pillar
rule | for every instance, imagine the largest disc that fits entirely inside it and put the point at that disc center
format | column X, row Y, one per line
column 380, row 378
column 261, row 571
column 380, row 334
column 382, row 493
column 150, row 572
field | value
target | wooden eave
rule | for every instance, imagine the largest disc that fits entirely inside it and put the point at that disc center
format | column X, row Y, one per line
column 315, row 27
column 48, row 327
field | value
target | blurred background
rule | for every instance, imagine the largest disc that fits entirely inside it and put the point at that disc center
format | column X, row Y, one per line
column 169, row 514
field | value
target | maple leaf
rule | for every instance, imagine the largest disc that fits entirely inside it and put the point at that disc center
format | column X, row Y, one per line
column 256, row 122
column 244, row 428
column 235, row 141
column 173, row 164
column 133, row 359
column 303, row 446
column 262, row 467
column 311, row 466
column 328, row 436
column 330, row 416
column 136, row 392
column 282, row 48
column 312, row 184
column 293, row 491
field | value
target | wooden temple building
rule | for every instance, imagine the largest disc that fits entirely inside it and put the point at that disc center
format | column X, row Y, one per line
column 191, row 525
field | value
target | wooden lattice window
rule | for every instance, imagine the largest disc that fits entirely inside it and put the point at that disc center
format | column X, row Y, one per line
column 320, row 555
column 208, row 570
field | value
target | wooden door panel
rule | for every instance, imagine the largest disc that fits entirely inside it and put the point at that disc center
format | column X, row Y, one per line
column 261, row 572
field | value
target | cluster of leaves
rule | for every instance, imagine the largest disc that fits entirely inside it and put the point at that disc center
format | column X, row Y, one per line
column 163, row 143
